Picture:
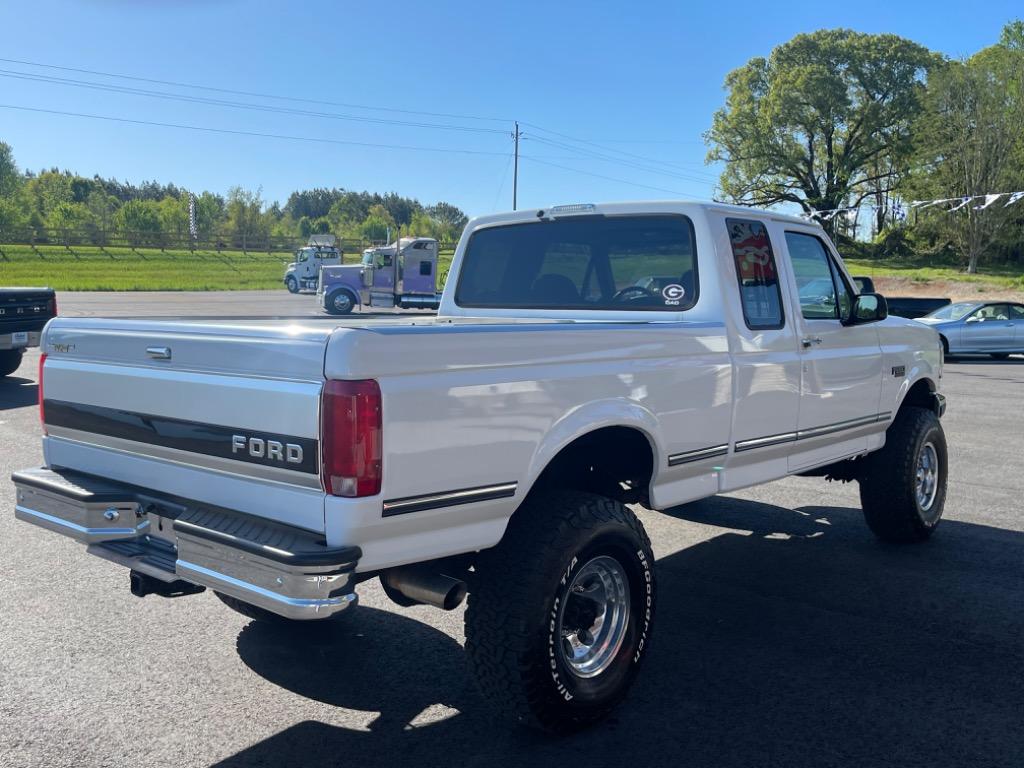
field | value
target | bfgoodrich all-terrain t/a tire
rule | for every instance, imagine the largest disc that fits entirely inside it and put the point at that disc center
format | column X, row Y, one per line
column 903, row 487
column 559, row 613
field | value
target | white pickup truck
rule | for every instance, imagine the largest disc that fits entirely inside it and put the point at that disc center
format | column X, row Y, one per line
column 584, row 358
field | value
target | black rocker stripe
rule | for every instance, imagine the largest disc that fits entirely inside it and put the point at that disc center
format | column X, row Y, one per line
column 448, row 498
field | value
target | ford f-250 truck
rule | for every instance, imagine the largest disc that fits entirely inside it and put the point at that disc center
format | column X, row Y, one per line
column 584, row 358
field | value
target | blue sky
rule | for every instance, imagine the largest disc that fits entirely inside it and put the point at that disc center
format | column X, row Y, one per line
column 639, row 79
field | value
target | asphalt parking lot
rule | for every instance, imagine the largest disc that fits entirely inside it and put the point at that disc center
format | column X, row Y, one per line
column 786, row 635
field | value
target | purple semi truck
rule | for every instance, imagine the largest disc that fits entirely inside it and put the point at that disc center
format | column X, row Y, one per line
column 384, row 279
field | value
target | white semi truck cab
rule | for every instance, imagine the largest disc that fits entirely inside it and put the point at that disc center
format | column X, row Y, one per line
column 584, row 358
column 303, row 274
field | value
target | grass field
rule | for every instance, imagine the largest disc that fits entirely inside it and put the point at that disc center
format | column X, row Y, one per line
column 921, row 271
column 89, row 268
column 124, row 269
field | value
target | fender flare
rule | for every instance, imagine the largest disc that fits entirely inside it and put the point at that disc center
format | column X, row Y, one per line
column 589, row 418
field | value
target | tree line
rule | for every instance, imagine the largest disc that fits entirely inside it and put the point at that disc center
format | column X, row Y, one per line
column 63, row 206
column 838, row 120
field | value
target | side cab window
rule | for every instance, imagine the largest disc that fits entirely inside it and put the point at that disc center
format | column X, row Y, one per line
column 757, row 274
column 822, row 288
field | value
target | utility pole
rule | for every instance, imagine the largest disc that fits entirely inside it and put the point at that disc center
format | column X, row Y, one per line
column 515, row 169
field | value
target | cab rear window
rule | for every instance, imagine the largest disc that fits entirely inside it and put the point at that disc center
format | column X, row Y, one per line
column 645, row 263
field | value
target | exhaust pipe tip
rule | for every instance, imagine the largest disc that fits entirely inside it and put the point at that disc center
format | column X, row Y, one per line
column 422, row 586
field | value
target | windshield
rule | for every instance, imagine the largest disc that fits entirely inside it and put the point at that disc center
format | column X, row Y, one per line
column 367, row 258
column 953, row 311
column 582, row 262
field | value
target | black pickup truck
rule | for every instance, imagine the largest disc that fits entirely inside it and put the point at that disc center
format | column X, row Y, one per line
column 903, row 306
column 23, row 313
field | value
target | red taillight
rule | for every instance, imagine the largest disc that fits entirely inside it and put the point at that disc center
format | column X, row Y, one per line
column 53, row 306
column 351, row 438
column 42, row 413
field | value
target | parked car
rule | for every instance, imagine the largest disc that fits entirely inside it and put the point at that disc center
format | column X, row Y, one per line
column 403, row 274
column 303, row 274
column 23, row 313
column 911, row 307
column 995, row 328
column 494, row 448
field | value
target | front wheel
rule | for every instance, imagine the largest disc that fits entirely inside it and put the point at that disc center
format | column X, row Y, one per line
column 340, row 302
column 903, row 488
column 10, row 361
column 559, row 612
column 291, row 284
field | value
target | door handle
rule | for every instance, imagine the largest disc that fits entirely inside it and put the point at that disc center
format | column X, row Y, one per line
column 159, row 353
column 809, row 340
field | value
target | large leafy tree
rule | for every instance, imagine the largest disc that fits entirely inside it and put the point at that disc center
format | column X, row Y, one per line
column 823, row 122
column 970, row 143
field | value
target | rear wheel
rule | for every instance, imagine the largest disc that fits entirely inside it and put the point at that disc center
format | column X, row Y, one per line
column 292, row 284
column 559, row 613
column 10, row 361
column 903, row 488
column 340, row 302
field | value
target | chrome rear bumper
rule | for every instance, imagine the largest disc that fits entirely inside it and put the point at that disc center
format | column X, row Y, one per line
column 283, row 569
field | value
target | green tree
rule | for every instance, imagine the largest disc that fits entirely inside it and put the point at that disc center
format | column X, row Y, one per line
column 423, row 225
column 808, row 124
column 13, row 214
column 10, row 176
column 377, row 223
column 140, row 222
column 450, row 219
column 102, row 207
column 971, row 143
column 48, row 190
column 174, row 219
column 246, row 225
column 71, row 221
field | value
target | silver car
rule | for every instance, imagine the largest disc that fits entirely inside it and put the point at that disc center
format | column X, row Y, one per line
column 994, row 328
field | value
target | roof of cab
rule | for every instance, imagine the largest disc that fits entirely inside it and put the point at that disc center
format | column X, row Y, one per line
column 638, row 206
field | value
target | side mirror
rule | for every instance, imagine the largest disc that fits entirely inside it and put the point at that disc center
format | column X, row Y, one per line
column 869, row 308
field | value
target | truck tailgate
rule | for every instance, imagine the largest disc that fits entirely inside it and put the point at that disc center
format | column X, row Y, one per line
column 224, row 413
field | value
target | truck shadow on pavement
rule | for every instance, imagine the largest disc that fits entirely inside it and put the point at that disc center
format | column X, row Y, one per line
column 790, row 638
column 17, row 392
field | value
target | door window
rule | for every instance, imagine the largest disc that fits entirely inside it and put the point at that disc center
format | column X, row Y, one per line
column 823, row 292
column 755, row 270
column 1016, row 312
column 992, row 312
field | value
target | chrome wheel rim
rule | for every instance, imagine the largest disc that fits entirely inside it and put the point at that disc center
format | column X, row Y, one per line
column 342, row 302
column 926, row 477
column 594, row 617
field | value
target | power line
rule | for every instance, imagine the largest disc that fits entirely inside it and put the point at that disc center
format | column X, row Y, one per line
column 586, row 153
column 251, row 93
column 501, row 186
column 602, row 176
column 237, row 132
column 599, row 146
column 235, row 104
